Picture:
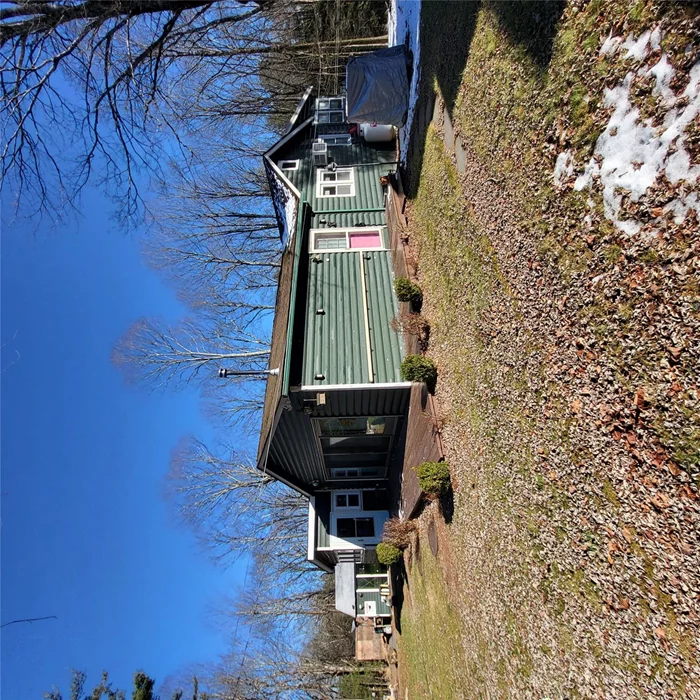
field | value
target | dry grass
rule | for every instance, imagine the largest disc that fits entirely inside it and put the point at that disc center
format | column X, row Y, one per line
column 574, row 574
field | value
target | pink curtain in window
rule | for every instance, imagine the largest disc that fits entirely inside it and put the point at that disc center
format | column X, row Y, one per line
column 365, row 239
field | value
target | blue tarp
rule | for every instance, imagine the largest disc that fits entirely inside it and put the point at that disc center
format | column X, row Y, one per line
column 377, row 86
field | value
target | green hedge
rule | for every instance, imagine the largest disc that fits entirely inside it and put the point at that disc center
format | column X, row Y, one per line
column 418, row 368
column 408, row 291
column 388, row 554
column 434, row 478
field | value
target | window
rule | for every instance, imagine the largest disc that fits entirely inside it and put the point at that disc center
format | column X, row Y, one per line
column 289, row 165
column 348, row 500
column 355, row 527
column 336, row 183
column 330, row 110
column 336, row 139
column 345, row 473
column 343, row 427
column 330, row 241
column 350, row 239
column 363, row 473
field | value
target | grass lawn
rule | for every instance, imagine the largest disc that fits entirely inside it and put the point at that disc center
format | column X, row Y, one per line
column 431, row 634
column 568, row 360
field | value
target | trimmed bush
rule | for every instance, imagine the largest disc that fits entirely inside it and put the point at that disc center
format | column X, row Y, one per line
column 434, row 478
column 408, row 291
column 388, row 554
column 398, row 532
column 418, row 368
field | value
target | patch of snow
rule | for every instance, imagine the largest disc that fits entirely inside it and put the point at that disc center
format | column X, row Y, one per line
column 563, row 168
column 680, row 207
column 663, row 72
column 404, row 28
column 585, row 179
column 610, row 45
column 291, row 209
column 632, row 154
column 640, row 48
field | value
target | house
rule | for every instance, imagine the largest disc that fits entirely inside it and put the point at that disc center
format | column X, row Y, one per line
column 334, row 409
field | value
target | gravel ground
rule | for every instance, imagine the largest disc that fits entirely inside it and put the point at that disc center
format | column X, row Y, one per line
column 575, row 533
column 567, row 344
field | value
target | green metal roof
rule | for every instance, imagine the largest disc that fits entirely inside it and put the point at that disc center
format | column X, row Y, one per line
column 335, row 344
column 382, row 307
column 349, row 219
column 336, row 340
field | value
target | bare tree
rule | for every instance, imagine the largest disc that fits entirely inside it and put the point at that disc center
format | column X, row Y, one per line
column 260, row 667
column 116, row 55
column 233, row 504
column 157, row 353
column 96, row 87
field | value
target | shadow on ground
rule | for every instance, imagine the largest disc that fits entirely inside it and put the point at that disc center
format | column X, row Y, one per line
column 447, row 30
column 532, row 24
column 447, row 506
column 399, row 579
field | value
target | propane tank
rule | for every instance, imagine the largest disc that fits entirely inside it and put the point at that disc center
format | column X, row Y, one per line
column 377, row 133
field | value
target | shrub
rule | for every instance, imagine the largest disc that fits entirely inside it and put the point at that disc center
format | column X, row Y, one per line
column 388, row 554
column 398, row 532
column 412, row 323
column 408, row 291
column 434, row 478
column 418, row 368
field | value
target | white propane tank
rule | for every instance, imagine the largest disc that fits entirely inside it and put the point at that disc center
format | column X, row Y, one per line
column 375, row 133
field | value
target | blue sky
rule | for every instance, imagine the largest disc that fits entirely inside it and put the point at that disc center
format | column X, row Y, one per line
column 86, row 532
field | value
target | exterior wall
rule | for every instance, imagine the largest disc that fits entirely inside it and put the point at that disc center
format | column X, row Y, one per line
column 340, row 542
column 370, row 163
column 382, row 307
column 351, row 341
column 369, row 401
column 323, row 515
column 335, row 342
column 349, row 219
column 381, row 607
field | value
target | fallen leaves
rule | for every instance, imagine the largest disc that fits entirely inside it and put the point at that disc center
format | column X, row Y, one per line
column 675, row 353
column 660, row 501
column 617, row 605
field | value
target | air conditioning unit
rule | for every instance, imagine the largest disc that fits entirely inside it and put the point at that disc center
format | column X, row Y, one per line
column 320, row 153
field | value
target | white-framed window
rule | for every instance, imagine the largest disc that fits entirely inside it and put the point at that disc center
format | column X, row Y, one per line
column 330, row 110
column 288, row 165
column 347, row 500
column 335, row 183
column 355, row 528
column 329, row 239
column 336, row 139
